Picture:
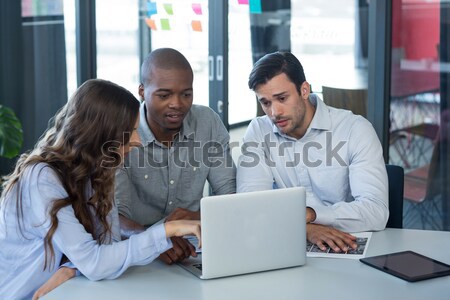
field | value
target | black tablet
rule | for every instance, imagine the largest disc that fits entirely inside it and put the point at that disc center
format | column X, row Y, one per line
column 408, row 265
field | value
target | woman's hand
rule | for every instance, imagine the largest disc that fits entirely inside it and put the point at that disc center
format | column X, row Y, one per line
column 63, row 274
column 184, row 227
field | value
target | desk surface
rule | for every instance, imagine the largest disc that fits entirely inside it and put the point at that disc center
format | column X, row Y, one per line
column 320, row 278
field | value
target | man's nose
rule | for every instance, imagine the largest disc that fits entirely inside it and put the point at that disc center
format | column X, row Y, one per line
column 276, row 109
column 175, row 101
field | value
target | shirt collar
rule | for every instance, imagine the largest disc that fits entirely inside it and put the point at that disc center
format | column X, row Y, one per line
column 321, row 119
column 144, row 130
column 146, row 134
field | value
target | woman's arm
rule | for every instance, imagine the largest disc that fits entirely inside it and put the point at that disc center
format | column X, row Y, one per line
column 63, row 274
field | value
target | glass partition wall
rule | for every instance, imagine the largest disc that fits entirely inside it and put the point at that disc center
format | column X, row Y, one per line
column 329, row 37
column 419, row 118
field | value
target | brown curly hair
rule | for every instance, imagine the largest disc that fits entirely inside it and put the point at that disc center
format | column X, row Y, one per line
column 81, row 146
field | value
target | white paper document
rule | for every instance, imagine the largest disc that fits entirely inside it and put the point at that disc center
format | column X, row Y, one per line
column 362, row 240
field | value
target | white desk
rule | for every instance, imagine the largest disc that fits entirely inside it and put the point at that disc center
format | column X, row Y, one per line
column 320, row 278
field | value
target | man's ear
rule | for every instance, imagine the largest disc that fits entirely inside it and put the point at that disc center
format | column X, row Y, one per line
column 141, row 91
column 305, row 90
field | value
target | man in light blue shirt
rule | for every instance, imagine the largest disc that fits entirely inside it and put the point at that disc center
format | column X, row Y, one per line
column 301, row 141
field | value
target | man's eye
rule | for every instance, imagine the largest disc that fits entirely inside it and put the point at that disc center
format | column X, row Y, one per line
column 163, row 96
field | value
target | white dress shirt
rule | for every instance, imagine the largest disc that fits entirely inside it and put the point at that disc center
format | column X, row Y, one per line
column 339, row 161
column 22, row 248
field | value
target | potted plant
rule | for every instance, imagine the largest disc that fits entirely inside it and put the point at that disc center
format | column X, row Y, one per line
column 11, row 137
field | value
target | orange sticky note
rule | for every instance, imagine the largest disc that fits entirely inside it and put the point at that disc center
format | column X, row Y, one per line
column 197, row 8
column 150, row 23
column 196, row 25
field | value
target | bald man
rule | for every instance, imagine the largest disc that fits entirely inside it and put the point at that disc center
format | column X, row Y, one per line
column 183, row 146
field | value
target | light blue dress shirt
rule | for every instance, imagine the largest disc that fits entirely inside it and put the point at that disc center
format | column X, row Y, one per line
column 339, row 161
column 22, row 249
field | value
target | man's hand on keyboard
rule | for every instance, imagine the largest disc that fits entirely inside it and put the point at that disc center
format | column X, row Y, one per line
column 324, row 235
column 181, row 250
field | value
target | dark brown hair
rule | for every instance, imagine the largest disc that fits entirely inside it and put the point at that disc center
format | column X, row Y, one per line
column 81, row 146
column 273, row 64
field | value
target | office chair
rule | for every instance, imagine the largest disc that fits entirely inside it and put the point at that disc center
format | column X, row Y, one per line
column 413, row 144
column 350, row 99
column 396, row 182
column 422, row 187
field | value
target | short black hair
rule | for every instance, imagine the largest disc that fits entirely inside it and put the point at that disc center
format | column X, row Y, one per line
column 163, row 58
column 273, row 64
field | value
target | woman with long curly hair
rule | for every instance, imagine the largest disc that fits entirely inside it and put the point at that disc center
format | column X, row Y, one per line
column 57, row 208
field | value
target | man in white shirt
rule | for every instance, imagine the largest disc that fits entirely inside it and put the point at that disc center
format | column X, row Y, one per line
column 301, row 141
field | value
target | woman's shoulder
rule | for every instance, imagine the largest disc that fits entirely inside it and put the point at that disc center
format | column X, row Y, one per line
column 41, row 173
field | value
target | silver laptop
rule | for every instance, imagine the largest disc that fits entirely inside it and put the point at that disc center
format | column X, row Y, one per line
column 251, row 232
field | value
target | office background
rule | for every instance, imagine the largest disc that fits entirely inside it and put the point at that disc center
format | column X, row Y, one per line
column 387, row 60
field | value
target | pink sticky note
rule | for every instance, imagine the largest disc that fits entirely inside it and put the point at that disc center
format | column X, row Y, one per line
column 243, row 1
column 197, row 8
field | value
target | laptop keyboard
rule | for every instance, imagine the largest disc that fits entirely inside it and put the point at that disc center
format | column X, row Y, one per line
column 361, row 245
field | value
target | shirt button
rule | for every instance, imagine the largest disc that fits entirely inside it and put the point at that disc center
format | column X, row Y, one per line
column 171, row 181
column 145, row 176
column 195, row 169
column 170, row 203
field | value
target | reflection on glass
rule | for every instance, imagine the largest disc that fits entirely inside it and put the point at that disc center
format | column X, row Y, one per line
column 71, row 54
column 418, row 118
column 323, row 38
column 242, row 101
column 182, row 25
column 118, row 42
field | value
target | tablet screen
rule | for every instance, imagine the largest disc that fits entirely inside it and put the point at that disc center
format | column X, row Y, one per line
column 408, row 265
